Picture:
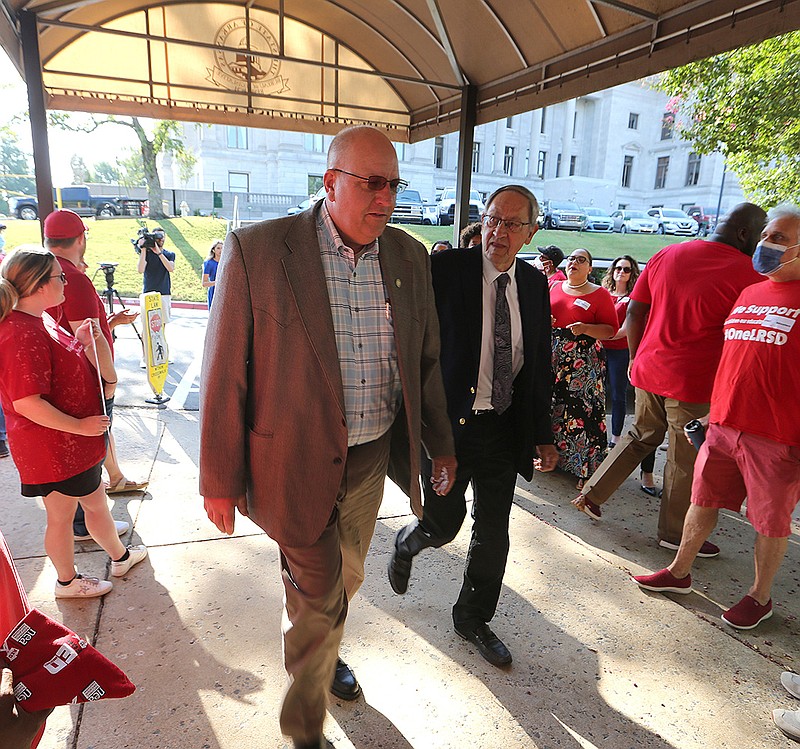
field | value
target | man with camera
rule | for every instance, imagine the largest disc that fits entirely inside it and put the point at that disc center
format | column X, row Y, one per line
column 156, row 264
column 65, row 236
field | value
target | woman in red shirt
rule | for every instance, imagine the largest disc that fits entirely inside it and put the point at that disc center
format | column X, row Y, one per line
column 583, row 313
column 619, row 281
column 52, row 400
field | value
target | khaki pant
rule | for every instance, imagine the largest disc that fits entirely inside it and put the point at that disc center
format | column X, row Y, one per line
column 318, row 582
column 655, row 415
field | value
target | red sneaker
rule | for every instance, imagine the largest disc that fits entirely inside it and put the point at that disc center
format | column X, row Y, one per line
column 664, row 581
column 748, row 613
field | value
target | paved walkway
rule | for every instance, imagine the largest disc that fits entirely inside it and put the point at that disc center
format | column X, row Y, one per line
column 598, row 664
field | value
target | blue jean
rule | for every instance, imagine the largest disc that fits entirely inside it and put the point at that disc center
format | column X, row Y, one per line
column 617, row 368
column 3, row 434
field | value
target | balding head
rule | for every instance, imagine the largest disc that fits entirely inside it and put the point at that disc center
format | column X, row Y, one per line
column 741, row 227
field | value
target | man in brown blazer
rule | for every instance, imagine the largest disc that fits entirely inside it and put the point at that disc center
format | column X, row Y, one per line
column 321, row 363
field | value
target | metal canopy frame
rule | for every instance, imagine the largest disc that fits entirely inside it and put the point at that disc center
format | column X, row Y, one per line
column 415, row 68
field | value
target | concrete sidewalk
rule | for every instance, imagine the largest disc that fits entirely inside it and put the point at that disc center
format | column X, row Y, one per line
column 597, row 662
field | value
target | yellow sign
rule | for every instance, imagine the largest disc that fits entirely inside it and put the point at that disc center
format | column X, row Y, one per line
column 155, row 341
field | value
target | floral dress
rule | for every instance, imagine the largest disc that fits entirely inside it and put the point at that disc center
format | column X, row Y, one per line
column 579, row 396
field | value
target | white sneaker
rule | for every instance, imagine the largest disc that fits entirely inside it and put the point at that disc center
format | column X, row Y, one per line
column 83, row 587
column 791, row 683
column 788, row 721
column 136, row 555
column 122, row 529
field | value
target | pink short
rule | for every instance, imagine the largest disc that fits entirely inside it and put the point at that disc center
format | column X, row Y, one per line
column 732, row 465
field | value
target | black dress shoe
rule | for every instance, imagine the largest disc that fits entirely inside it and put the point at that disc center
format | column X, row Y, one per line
column 651, row 490
column 399, row 571
column 408, row 542
column 345, row 685
column 488, row 643
column 320, row 743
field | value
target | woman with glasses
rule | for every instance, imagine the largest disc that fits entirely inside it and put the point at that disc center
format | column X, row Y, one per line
column 583, row 314
column 51, row 395
column 210, row 266
column 619, row 280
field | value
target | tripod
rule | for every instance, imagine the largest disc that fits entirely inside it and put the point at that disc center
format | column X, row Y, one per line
column 110, row 293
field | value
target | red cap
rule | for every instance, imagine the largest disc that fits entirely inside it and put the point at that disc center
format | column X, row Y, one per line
column 63, row 224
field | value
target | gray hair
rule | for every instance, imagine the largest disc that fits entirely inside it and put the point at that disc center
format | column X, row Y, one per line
column 525, row 192
column 784, row 210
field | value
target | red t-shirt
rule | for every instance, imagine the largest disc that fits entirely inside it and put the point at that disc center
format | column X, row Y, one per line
column 37, row 357
column 595, row 308
column 621, row 306
column 754, row 390
column 690, row 288
column 80, row 301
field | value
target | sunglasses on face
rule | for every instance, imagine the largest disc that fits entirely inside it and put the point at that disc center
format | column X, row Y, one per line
column 622, row 269
column 376, row 184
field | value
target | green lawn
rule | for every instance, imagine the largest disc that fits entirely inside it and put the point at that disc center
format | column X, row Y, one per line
column 606, row 246
column 190, row 239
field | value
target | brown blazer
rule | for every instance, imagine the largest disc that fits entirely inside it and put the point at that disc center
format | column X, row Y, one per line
column 272, row 416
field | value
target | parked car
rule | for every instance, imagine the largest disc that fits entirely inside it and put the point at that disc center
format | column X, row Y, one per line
column 634, row 222
column 430, row 214
column 409, row 208
column 674, row 221
column 447, row 206
column 299, row 207
column 597, row 220
column 705, row 221
column 563, row 214
column 77, row 198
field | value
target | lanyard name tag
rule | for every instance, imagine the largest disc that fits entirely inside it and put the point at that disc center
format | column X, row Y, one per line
column 582, row 303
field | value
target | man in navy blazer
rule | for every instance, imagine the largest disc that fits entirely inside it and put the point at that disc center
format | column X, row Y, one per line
column 490, row 306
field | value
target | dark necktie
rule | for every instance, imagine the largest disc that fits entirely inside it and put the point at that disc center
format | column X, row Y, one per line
column 502, row 373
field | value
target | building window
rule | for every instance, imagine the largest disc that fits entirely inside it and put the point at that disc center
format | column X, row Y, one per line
column 541, row 163
column 314, row 183
column 558, row 165
column 510, row 121
column 572, row 162
column 313, row 143
column 238, row 182
column 574, row 124
column 693, row 169
column 237, row 137
column 476, row 157
column 627, row 169
column 633, row 121
column 438, row 153
column 661, row 172
column 508, row 161
column 544, row 118
column 667, row 125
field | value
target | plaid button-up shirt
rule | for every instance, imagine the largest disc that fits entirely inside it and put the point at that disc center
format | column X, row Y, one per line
column 362, row 321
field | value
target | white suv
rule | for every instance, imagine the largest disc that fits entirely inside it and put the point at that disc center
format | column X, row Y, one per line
column 447, row 206
column 674, row 221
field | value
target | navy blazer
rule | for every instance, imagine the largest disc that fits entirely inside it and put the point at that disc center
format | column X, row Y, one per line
column 457, row 284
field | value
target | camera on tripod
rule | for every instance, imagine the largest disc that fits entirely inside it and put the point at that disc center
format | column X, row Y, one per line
column 146, row 239
column 108, row 271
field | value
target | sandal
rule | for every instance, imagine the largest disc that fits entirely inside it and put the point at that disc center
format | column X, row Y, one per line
column 124, row 485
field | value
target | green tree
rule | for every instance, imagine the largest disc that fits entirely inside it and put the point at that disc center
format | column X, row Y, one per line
column 744, row 103
column 164, row 138
column 107, row 174
column 16, row 175
column 130, row 169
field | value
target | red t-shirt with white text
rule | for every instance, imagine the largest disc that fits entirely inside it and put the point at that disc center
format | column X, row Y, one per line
column 37, row 357
column 755, row 388
column 690, row 288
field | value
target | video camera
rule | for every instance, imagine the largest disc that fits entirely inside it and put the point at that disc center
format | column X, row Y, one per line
column 108, row 270
column 146, row 239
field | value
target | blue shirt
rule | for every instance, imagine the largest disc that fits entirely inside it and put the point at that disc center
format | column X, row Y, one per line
column 210, row 269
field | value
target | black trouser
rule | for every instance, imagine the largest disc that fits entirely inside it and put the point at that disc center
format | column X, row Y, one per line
column 486, row 457
column 79, row 521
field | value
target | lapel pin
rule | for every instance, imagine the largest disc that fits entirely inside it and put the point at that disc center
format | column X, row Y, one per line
column 398, row 282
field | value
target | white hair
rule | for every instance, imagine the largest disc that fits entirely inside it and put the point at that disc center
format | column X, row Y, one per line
column 784, row 210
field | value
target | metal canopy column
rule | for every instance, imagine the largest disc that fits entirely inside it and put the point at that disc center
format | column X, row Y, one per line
column 37, row 112
column 466, row 137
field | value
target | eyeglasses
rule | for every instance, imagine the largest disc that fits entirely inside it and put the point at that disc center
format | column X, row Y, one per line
column 578, row 259
column 376, row 184
column 513, row 227
column 62, row 276
column 623, row 269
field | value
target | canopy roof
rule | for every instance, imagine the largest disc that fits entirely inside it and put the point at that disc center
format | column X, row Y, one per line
column 316, row 65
